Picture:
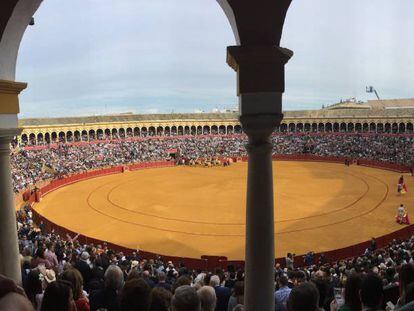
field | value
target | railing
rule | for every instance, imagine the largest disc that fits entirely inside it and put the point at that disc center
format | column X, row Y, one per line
column 212, row 262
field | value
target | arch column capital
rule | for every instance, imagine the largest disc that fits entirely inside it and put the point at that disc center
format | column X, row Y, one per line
column 259, row 68
column 9, row 96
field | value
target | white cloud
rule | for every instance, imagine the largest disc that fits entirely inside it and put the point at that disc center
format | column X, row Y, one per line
column 137, row 55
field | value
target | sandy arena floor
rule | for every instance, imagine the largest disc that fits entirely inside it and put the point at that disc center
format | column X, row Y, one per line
column 194, row 211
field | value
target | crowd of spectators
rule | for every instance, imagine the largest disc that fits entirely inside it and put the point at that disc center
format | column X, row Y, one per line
column 59, row 273
column 30, row 166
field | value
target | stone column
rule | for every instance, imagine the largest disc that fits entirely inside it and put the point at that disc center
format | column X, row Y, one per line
column 260, row 72
column 260, row 250
column 9, row 108
column 9, row 251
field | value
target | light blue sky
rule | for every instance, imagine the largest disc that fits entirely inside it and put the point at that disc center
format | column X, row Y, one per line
column 86, row 57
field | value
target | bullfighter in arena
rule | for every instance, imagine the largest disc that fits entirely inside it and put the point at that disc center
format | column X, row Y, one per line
column 401, row 187
column 402, row 216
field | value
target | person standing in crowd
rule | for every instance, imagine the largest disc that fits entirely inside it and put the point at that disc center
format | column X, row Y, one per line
column 237, row 297
column 289, row 260
column 185, row 299
column 74, row 277
column 371, row 292
column 282, row 294
column 108, row 296
column 222, row 293
column 304, row 297
column 83, row 265
column 58, row 296
column 207, row 297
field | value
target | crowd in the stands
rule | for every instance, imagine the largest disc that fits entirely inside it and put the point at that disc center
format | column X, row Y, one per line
column 58, row 273
column 32, row 166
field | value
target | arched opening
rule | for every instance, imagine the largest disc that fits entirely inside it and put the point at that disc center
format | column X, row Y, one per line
column 137, row 132
column 39, row 138
column 100, row 134
column 62, row 137
column 321, row 127
column 336, row 127
column 328, row 127
column 214, row 130
column 32, row 139
column 122, row 133
column 299, row 127
column 343, row 127
column 292, row 127
column 114, row 134
column 76, row 136
column 395, row 128
column 85, row 135
column 193, row 130
column 401, row 128
column 107, row 134
column 206, row 130
column 92, row 135
column 186, row 130
column 283, row 127
column 160, row 131
column 409, row 128
column 167, row 131
column 54, row 137
column 222, row 130
column 230, row 129
column 380, row 128
column 350, row 127
column 151, row 131
column 365, row 127
column 314, row 127
column 173, row 130
column 69, row 136
column 144, row 132
column 129, row 133
column 358, row 127
column 387, row 128
column 199, row 130
column 307, row 127
column 180, row 130
column 372, row 127
column 24, row 139
column 238, row 129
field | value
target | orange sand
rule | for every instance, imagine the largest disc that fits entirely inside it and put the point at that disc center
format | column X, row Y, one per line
column 194, row 211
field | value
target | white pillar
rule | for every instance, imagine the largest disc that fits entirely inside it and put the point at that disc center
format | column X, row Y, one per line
column 9, row 251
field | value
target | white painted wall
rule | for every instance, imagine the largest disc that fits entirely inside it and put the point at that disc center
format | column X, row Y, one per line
column 12, row 36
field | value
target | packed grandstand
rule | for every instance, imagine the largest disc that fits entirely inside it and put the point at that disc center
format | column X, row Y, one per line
column 31, row 165
column 102, row 277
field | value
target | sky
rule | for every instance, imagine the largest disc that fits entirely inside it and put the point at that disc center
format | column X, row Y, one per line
column 92, row 57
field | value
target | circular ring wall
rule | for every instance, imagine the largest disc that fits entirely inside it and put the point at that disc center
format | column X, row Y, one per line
column 195, row 211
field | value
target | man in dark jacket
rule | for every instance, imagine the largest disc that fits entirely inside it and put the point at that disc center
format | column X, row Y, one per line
column 222, row 293
column 83, row 265
column 107, row 298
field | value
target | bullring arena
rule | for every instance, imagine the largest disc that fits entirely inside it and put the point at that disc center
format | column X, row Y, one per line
column 193, row 211
column 190, row 212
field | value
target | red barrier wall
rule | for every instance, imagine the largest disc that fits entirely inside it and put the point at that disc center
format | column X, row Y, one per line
column 212, row 262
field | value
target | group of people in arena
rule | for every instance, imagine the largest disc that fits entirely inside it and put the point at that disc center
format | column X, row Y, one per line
column 59, row 273
column 32, row 166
